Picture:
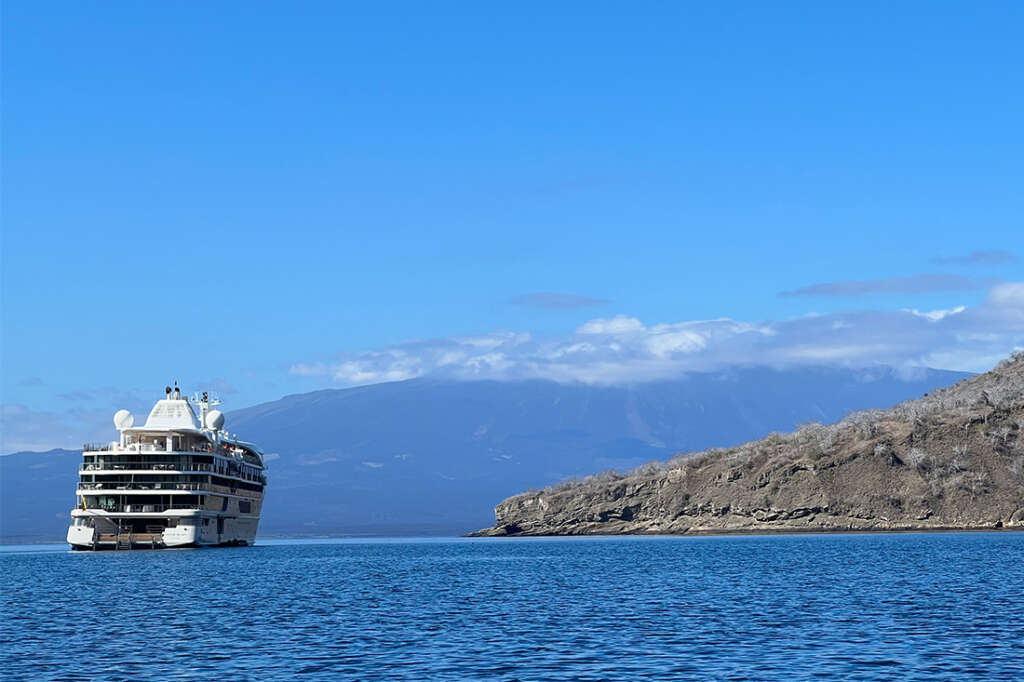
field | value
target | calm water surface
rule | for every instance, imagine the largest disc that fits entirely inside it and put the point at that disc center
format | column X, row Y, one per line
column 798, row 607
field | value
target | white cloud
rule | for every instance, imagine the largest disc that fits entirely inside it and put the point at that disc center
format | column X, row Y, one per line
column 834, row 353
column 614, row 350
column 624, row 349
column 1009, row 293
column 936, row 315
column 665, row 342
column 619, row 324
column 493, row 340
column 372, row 367
column 488, row 363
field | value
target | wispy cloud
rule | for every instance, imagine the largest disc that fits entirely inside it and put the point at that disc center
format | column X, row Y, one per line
column 615, row 350
column 993, row 257
column 217, row 385
column 936, row 315
column 624, row 349
column 85, row 417
column 77, row 396
column 24, row 428
column 916, row 284
column 554, row 300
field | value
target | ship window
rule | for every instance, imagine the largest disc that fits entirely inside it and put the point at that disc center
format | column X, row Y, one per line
column 244, row 506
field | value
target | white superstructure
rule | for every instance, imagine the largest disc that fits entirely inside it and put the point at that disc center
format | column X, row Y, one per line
column 181, row 480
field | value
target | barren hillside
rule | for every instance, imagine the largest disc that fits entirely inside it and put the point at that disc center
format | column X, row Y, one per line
column 953, row 459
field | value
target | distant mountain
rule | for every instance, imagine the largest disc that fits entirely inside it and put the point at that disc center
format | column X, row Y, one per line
column 428, row 456
column 951, row 460
column 37, row 492
column 435, row 456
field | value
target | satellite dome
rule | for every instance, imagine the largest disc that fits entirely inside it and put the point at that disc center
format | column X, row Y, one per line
column 123, row 419
column 214, row 419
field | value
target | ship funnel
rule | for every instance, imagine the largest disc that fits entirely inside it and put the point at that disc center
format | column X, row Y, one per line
column 177, row 391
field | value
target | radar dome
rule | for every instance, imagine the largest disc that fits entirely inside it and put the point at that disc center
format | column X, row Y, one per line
column 214, row 420
column 123, row 419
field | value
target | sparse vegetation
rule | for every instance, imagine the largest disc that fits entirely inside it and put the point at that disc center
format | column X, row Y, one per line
column 929, row 462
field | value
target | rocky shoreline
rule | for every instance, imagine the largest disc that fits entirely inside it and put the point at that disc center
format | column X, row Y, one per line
column 498, row 532
column 952, row 460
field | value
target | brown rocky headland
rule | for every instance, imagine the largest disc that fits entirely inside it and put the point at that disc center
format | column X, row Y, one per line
column 953, row 459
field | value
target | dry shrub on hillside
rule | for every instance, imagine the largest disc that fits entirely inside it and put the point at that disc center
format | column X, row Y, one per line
column 1001, row 388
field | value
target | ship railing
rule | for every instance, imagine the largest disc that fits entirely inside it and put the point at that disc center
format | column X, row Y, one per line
column 145, row 508
column 162, row 447
column 129, row 465
column 115, row 485
column 145, row 447
column 124, row 465
column 137, row 465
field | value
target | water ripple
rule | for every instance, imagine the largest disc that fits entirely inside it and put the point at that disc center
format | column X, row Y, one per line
column 908, row 607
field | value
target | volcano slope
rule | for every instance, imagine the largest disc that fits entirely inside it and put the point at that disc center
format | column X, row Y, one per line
column 953, row 459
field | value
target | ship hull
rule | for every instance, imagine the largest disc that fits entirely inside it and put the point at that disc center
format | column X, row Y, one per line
column 98, row 532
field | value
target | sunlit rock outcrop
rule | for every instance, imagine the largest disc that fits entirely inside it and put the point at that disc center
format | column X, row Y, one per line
column 953, row 459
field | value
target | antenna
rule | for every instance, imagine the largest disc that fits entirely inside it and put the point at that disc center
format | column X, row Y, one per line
column 205, row 397
column 208, row 419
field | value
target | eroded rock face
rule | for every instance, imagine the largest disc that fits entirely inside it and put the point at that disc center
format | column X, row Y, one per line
column 952, row 459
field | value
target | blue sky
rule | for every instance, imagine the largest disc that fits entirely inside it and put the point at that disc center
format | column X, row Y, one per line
column 272, row 198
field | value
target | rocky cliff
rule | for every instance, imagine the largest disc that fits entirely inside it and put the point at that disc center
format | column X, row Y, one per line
column 953, row 459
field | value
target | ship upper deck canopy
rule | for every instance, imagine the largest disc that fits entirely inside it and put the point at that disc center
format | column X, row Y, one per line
column 171, row 415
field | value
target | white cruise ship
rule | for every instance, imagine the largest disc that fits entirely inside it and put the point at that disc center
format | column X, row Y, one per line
column 179, row 481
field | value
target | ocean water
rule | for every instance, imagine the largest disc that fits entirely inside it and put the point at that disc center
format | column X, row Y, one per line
column 904, row 606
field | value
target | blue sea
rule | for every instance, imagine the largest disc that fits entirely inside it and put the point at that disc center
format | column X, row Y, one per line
column 901, row 606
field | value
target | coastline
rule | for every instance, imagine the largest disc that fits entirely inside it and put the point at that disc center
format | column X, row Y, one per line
column 484, row 533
